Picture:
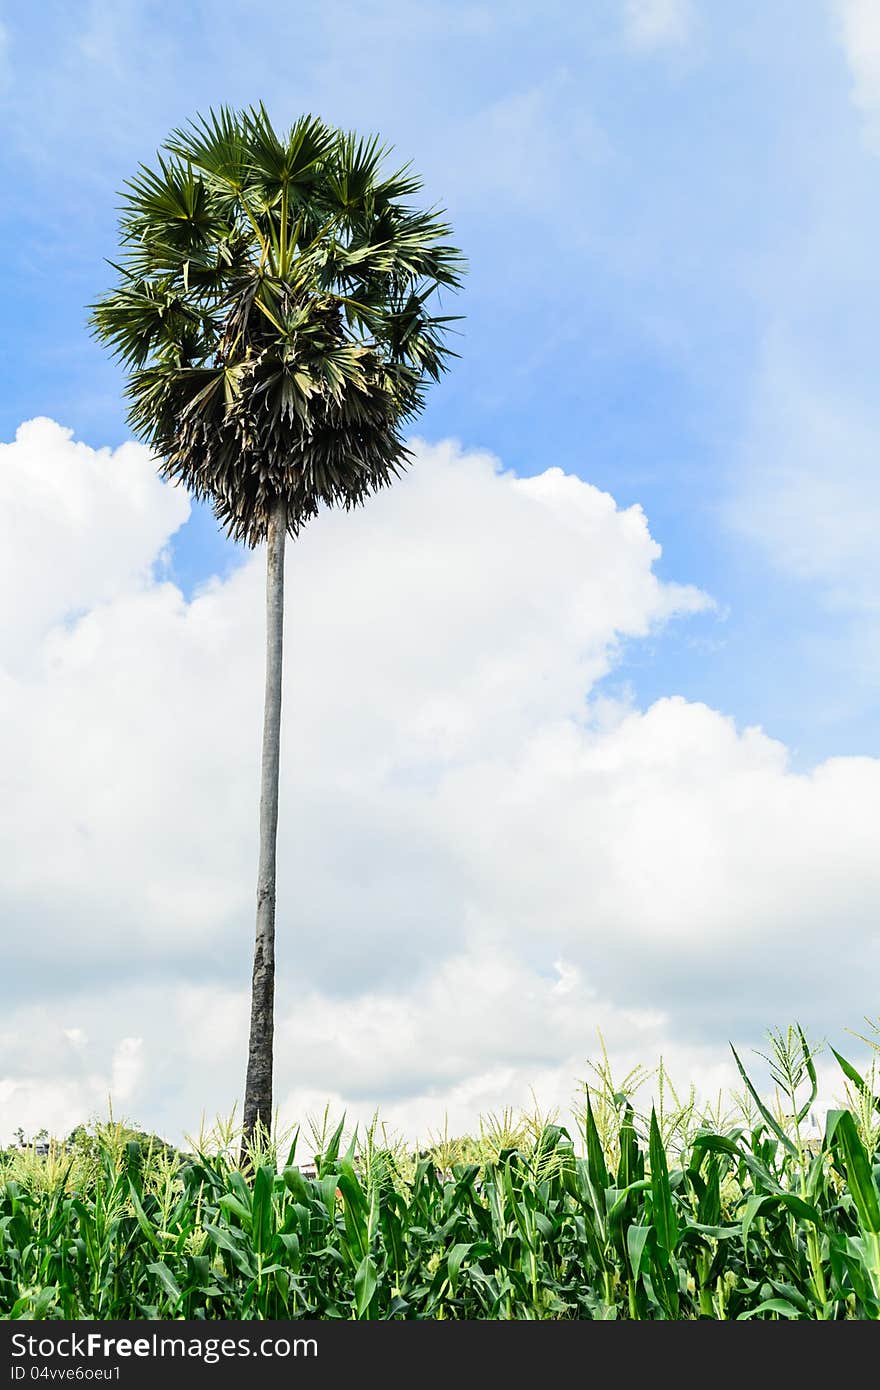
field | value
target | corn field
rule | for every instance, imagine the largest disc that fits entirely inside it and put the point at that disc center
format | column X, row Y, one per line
column 672, row 1214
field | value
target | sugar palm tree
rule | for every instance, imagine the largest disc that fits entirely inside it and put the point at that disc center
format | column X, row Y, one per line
column 274, row 311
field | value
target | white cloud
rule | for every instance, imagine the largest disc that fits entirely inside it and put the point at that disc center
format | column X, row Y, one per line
column 480, row 1034
column 439, row 625
column 127, row 1068
column 859, row 28
column 650, row 24
column 61, row 1091
column 475, row 872
column 83, row 525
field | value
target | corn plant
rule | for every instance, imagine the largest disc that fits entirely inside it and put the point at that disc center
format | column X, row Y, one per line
column 668, row 1213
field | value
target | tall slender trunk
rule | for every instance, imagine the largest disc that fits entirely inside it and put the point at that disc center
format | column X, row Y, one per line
column 258, row 1087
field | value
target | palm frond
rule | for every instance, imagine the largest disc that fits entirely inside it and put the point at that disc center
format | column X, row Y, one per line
column 271, row 309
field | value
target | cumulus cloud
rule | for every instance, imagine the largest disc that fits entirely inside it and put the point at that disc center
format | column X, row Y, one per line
column 425, row 632
column 482, row 859
column 54, row 1086
column 650, row 24
column 81, row 526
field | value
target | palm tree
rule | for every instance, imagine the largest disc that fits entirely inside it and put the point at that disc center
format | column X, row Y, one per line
column 274, row 313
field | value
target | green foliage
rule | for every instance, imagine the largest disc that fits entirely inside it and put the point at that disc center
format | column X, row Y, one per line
column 275, row 312
column 673, row 1215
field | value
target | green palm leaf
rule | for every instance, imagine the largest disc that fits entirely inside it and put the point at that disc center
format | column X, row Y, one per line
column 288, row 269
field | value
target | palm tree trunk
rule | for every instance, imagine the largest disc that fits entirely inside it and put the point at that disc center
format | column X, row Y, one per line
column 258, row 1087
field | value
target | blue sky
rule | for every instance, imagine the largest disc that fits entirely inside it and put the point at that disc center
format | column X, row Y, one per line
column 650, row 226
column 670, row 211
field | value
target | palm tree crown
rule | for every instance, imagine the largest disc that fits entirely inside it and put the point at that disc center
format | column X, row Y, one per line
column 274, row 312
